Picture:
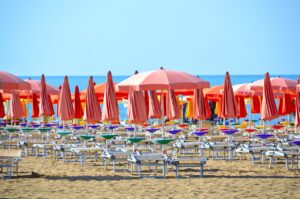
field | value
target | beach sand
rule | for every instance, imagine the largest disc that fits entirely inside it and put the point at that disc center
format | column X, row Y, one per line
column 223, row 179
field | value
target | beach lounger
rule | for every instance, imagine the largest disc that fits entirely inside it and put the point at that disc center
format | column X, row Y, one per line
column 114, row 156
column 293, row 156
column 82, row 153
column 9, row 158
column 187, row 162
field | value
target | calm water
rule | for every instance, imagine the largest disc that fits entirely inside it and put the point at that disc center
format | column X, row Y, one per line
column 82, row 82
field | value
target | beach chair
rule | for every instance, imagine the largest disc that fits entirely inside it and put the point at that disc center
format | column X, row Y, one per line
column 115, row 156
column 10, row 158
column 187, row 162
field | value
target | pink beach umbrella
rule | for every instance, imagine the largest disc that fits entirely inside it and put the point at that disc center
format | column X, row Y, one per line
column 110, row 104
column 65, row 106
column 154, row 106
column 78, row 111
column 36, row 87
column 200, row 105
column 173, row 109
column 136, row 111
column 10, row 82
column 2, row 111
column 92, row 111
column 35, row 106
column 268, row 106
column 297, row 116
column 16, row 109
column 45, row 101
column 228, row 102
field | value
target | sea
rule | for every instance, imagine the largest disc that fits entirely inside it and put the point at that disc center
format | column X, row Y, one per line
column 82, row 82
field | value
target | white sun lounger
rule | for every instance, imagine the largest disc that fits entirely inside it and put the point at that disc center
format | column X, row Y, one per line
column 8, row 158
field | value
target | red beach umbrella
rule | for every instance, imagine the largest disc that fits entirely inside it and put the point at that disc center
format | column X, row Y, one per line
column 2, row 112
column 297, row 117
column 45, row 106
column 9, row 82
column 136, row 111
column 110, row 103
column 35, row 106
column 78, row 111
column 255, row 104
column 228, row 102
column 286, row 105
column 65, row 106
column 268, row 106
column 92, row 111
column 146, row 101
column 241, row 107
column 200, row 105
column 173, row 109
column 154, row 106
column 16, row 109
column 36, row 87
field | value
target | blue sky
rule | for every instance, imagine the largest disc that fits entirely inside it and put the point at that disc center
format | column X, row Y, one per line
column 59, row 37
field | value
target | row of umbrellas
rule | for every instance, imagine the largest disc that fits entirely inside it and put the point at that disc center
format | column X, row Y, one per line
column 142, row 88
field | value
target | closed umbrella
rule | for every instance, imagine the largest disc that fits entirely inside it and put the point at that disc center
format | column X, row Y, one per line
column 110, row 105
column 78, row 111
column 136, row 111
column 241, row 107
column 2, row 112
column 16, row 109
column 92, row 111
column 35, row 106
column 286, row 105
column 45, row 105
column 268, row 106
column 154, row 106
column 173, row 109
column 228, row 102
column 65, row 105
column 200, row 105
column 297, row 115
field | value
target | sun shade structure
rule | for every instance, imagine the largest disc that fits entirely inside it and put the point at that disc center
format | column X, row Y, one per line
column 200, row 105
column 65, row 105
column 268, row 106
column 110, row 111
column 2, row 111
column 228, row 102
column 35, row 106
column 10, row 82
column 136, row 111
column 16, row 109
column 45, row 101
column 162, row 79
column 78, row 111
column 36, row 87
column 154, row 106
column 173, row 109
column 92, row 111
column 297, row 116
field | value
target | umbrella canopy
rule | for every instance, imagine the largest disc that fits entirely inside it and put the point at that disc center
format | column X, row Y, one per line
column 78, row 111
column 154, row 106
column 214, row 92
column 35, row 106
column 297, row 116
column 241, row 107
column 16, row 109
column 146, row 101
column 162, row 79
column 45, row 106
column 36, row 87
column 243, row 90
column 136, row 111
column 200, row 105
column 2, row 112
column 65, row 106
column 9, row 82
column 268, row 106
column 228, row 102
column 110, row 104
column 277, row 84
column 173, row 109
column 92, row 111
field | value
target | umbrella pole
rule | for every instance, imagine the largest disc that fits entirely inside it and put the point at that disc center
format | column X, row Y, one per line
column 162, row 114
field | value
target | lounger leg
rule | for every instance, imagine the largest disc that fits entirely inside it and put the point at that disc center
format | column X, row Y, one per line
column 286, row 164
column 270, row 162
column 201, row 170
column 139, row 169
column 177, row 170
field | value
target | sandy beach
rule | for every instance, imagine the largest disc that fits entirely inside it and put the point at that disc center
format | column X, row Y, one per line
column 223, row 179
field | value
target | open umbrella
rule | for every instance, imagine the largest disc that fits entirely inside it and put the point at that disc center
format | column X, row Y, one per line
column 154, row 106
column 10, row 82
column 65, row 106
column 110, row 105
column 2, row 112
column 228, row 103
column 268, row 106
column 78, row 111
column 36, row 87
column 92, row 111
